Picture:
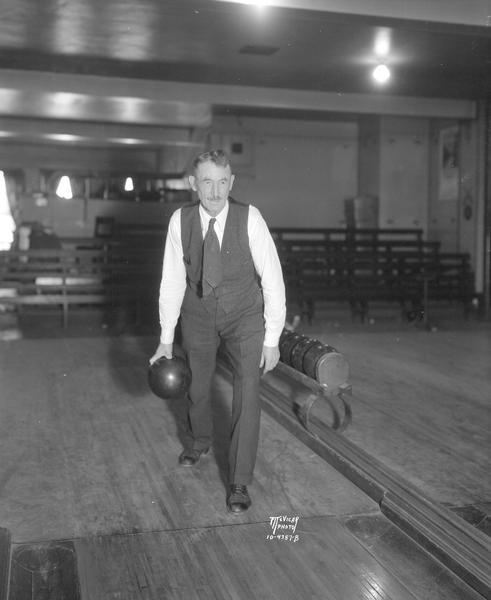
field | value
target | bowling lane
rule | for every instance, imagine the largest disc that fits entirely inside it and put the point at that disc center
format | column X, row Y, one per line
column 363, row 558
column 421, row 405
column 88, row 450
column 89, row 458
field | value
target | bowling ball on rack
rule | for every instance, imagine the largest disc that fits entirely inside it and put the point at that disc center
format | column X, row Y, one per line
column 169, row 378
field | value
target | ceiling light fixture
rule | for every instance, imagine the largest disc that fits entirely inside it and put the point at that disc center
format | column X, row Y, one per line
column 382, row 42
column 381, row 73
column 64, row 189
column 63, row 137
column 259, row 4
column 128, row 185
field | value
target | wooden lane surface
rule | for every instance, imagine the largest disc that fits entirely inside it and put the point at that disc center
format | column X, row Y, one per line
column 87, row 449
column 89, row 456
column 422, row 405
column 362, row 558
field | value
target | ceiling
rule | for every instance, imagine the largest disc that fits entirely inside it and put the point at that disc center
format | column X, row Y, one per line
column 66, row 65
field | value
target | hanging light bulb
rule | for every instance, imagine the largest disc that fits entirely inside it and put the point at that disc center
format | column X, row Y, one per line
column 7, row 224
column 381, row 73
column 128, row 185
column 64, row 189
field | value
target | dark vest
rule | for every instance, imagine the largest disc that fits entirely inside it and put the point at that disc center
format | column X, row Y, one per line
column 239, row 288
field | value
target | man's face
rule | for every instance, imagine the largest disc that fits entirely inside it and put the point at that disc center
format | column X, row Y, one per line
column 212, row 183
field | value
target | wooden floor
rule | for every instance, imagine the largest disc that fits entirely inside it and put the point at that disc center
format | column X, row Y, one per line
column 422, row 403
column 97, row 508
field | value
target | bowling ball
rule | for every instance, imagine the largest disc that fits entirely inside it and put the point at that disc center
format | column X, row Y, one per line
column 169, row 378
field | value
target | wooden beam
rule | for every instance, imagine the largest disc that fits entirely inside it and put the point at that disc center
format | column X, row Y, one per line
column 471, row 12
column 58, row 131
column 177, row 103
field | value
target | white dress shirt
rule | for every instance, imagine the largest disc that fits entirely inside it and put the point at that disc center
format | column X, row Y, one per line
column 264, row 256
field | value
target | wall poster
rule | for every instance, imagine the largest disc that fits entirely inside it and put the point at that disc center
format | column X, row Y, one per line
column 448, row 163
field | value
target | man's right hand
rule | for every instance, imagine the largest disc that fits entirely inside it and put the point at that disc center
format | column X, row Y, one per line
column 162, row 350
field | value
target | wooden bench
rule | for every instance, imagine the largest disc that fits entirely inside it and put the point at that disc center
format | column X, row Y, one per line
column 344, row 234
column 364, row 266
column 357, row 267
column 69, row 278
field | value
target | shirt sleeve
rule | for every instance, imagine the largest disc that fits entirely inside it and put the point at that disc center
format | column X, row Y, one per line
column 268, row 267
column 173, row 282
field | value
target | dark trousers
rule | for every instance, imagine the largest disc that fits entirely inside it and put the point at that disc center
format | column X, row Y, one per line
column 241, row 332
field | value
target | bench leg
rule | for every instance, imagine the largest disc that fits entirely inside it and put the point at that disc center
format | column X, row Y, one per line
column 359, row 307
column 65, row 313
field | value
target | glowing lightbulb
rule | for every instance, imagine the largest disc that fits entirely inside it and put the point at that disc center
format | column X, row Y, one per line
column 382, row 42
column 3, row 194
column 64, row 189
column 259, row 3
column 381, row 73
column 7, row 225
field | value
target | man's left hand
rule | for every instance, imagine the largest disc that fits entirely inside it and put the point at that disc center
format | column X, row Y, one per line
column 269, row 358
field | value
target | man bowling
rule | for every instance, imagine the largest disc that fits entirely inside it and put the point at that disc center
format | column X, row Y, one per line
column 222, row 276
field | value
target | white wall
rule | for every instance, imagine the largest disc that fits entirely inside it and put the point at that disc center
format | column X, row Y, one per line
column 298, row 173
column 404, row 183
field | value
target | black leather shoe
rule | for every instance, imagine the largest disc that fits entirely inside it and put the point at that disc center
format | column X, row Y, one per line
column 238, row 500
column 189, row 458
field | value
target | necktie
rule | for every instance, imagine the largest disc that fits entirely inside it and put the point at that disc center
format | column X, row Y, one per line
column 212, row 260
